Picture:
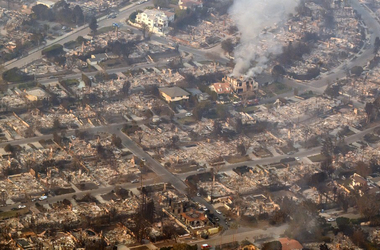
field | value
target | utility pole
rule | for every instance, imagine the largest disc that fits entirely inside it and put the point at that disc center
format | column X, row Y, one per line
column 212, row 185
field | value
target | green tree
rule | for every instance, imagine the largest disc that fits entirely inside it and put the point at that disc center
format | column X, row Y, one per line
column 56, row 124
column 144, row 29
column 222, row 112
column 238, row 125
column 278, row 72
column 116, row 141
column 133, row 15
column 161, row 3
column 57, row 138
column 78, row 17
column 42, row 12
column 357, row 70
column 87, row 81
column 80, row 40
column 368, row 205
column 228, row 46
column 363, row 169
column 8, row 148
column 126, row 87
column 241, row 149
column 376, row 45
column 327, row 147
column 93, row 25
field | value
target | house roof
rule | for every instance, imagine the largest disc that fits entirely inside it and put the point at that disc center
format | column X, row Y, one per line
column 222, row 88
column 289, row 244
column 194, row 215
column 174, row 91
column 101, row 56
column 194, row 91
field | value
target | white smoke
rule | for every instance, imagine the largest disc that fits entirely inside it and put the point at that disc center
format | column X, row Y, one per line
column 252, row 17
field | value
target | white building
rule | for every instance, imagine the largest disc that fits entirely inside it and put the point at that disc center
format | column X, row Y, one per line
column 156, row 20
column 47, row 3
column 190, row 4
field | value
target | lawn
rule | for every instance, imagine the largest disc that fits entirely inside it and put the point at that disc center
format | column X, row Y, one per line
column 371, row 138
column 237, row 158
column 276, row 88
column 249, row 109
column 307, row 95
column 13, row 213
column 288, row 149
column 317, row 158
column 70, row 45
column 187, row 120
column 105, row 30
column 71, row 82
column 27, row 85
column 114, row 63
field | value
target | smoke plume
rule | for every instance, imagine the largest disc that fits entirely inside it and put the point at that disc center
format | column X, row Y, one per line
column 253, row 19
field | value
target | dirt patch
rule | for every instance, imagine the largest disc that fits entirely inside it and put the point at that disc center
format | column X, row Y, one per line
column 317, row 158
column 123, row 179
column 110, row 196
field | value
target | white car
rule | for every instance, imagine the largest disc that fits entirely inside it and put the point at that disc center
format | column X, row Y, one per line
column 330, row 219
column 42, row 198
column 21, row 206
column 218, row 212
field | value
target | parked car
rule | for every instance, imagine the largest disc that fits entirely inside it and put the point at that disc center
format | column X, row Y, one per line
column 42, row 198
column 21, row 206
column 205, row 246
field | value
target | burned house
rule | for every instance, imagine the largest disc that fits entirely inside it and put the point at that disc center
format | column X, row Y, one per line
column 242, row 84
column 194, row 218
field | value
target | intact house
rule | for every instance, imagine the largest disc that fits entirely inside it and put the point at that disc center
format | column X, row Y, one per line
column 174, row 94
column 189, row 4
column 156, row 20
